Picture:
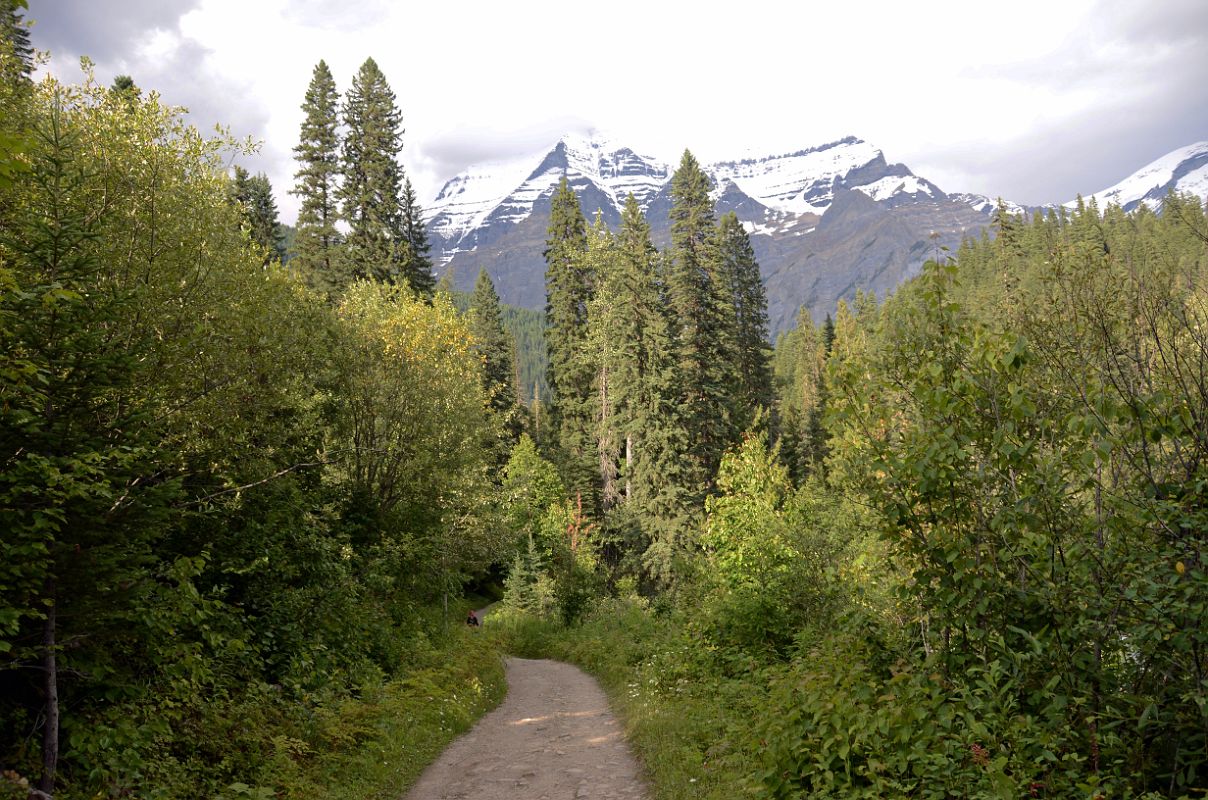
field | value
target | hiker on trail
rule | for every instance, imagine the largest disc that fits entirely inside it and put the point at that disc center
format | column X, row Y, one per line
column 472, row 620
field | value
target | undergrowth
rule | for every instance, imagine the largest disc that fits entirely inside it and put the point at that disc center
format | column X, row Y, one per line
column 376, row 745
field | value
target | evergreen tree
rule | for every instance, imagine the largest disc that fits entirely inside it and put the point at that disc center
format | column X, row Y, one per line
column 703, row 333
column 316, row 243
column 124, row 87
column 568, row 288
column 737, row 268
column 814, row 446
column 646, row 390
column 258, row 211
column 604, row 353
column 16, row 53
column 373, row 180
column 418, row 267
column 496, row 349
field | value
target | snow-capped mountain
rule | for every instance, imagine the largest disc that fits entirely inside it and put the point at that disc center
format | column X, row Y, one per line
column 824, row 221
column 804, row 182
column 1183, row 170
column 507, row 192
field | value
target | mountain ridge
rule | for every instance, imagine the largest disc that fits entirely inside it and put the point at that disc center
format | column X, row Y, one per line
column 816, row 244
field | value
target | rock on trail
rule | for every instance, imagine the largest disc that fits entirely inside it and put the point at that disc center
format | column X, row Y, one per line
column 553, row 738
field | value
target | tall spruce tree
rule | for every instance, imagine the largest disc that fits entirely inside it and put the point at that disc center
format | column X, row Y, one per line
column 373, row 179
column 317, row 241
column 497, row 350
column 418, row 267
column 604, row 354
column 738, row 270
column 646, row 390
column 568, row 288
column 703, row 332
column 258, row 210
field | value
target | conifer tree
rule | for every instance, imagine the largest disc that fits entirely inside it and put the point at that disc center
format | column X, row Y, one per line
column 16, row 53
column 646, row 390
column 258, row 210
column 317, row 241
column 123, row 86
column 495, row 347
column 373, row 180
column 568, row 288
column 703, row 334
column 737, row 268
column 418, row 267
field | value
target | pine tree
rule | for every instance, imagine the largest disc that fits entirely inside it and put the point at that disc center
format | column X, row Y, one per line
column 375, row 246
column 565, row 290
column 568, row 289
column 646, row 390
column 604, row 353
column 418, row 267
column 814, row 446
column 258, row 209
column 317, row 241
column 124, row 87
column 16, row 53
column 495, row 347
column 736, row 267
column 703, row 334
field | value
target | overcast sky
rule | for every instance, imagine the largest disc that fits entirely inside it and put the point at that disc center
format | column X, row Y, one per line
column 1034, row 101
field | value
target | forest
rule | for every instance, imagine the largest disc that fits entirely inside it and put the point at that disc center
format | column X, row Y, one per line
column 944, row 544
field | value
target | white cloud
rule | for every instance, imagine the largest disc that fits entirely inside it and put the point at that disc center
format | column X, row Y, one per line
column 959, row 91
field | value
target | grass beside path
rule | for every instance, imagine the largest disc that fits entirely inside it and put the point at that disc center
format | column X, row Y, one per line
column 377, row 745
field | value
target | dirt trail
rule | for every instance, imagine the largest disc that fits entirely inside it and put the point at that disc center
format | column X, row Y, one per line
column 553, row 738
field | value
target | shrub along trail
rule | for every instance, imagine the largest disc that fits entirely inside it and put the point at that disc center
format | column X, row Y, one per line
column 553, row 737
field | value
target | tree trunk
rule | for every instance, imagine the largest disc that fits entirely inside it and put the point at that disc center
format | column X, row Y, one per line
column 628, row 466
column 50, row 733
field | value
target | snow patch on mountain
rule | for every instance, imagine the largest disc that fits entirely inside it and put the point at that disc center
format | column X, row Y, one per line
column 468, row 198
column 797, row 183
column 986, row 205
column 1195, row 182
column 894, row 185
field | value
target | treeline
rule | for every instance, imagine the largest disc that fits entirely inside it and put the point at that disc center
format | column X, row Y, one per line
column 227, row 499
column 657, row 364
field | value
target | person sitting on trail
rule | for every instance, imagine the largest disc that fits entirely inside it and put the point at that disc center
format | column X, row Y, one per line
column 472, row 620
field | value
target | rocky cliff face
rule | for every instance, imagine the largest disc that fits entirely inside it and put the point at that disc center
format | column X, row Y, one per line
column 824, row 221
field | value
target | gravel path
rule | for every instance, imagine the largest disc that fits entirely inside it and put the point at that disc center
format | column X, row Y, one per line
column 553, row 738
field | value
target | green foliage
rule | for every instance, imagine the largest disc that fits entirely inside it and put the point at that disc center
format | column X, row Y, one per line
column 531, row 485
column 1027, row 470
column 768, row 554
column 237, row 502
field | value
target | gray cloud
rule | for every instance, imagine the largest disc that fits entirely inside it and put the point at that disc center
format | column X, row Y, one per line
column 1146, row 63
column 449, row 154
column 100, row 30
